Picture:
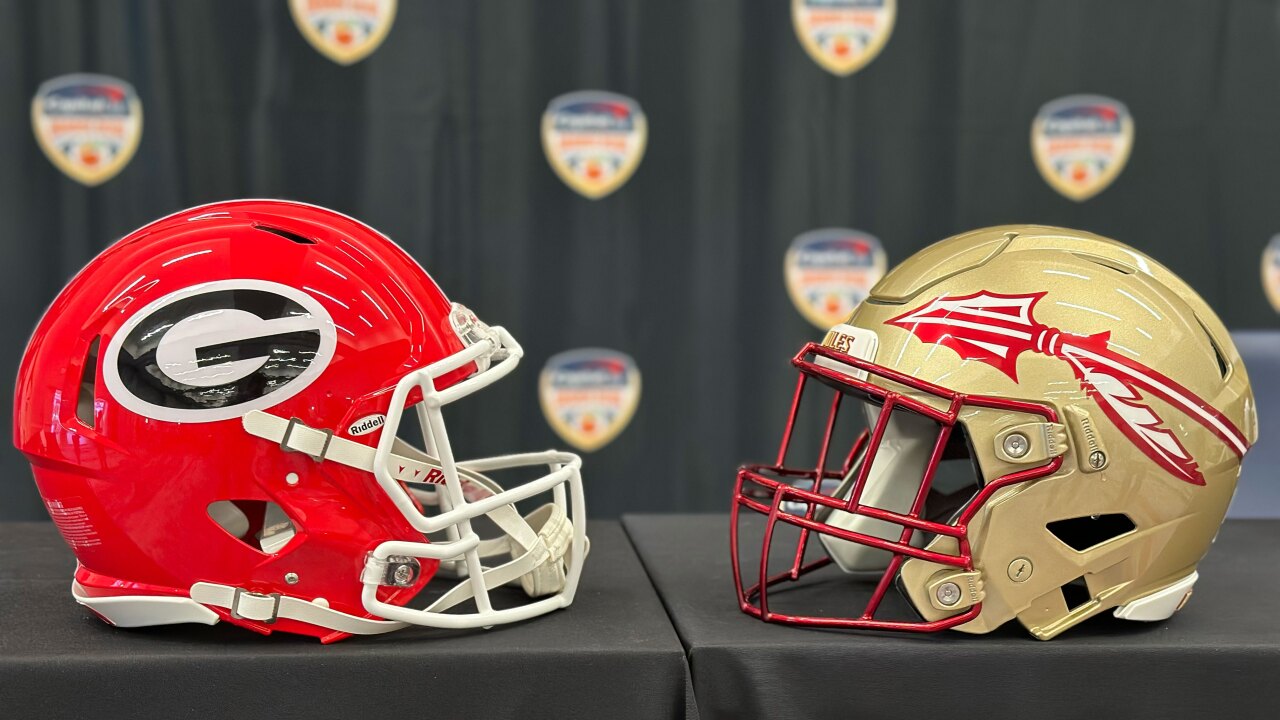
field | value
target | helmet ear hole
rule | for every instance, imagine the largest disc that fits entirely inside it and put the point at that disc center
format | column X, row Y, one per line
column 1087, row 532
column 1076, row 593
column 88, row 385
column 260, row 524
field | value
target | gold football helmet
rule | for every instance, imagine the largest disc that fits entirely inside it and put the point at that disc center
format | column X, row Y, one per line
column 1096, row 403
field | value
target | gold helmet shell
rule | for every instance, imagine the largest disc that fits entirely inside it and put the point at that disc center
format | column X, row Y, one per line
column 1103, row 406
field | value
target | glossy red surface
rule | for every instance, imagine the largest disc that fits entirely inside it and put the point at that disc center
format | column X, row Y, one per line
column 763, row 482
column 137, row 489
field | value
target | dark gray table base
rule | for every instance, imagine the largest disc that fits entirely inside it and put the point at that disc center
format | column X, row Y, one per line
column 612, row 654
column 1218, row 658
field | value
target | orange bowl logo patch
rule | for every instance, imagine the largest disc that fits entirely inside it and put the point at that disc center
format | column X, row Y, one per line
column 828, row 272
column 594, row 140
column 87, row 125
column 589, row 395
column 345, row 31
column 1081, row 143
column 843, row 35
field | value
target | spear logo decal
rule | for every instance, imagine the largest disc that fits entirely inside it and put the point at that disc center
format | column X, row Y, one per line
column 996, row 329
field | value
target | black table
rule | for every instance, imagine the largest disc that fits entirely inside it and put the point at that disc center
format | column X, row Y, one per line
column 612, row 654
column 1218, row 658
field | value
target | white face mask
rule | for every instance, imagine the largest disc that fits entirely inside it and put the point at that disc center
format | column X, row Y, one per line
column 546, row 548
column 543, row 551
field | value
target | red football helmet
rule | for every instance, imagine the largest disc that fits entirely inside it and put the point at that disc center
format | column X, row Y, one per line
column 210, row 410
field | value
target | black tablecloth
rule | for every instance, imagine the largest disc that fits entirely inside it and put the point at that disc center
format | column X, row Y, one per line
column 1217, row 658
column 612, row 654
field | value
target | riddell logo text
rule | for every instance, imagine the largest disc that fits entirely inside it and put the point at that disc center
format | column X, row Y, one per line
column 367, row 424
column 433, row 475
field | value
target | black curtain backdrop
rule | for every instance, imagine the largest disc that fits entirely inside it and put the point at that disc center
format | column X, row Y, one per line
column 434, row 139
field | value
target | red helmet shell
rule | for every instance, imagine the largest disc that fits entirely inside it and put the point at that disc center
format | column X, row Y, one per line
column 127, row 462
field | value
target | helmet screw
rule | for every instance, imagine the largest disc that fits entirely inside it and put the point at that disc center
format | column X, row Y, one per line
column 948, row 593
column 1097, row 459
column 1016, row 445
column 1020, row 569
column 403, row 575
column 291, row 578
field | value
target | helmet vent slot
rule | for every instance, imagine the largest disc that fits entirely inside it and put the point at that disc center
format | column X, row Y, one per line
column 286, row 234
column 1076, row 593
column 88, row 385
column 260, row 524
column 1223, row 368
column 1083, row 533
column 1108, row 263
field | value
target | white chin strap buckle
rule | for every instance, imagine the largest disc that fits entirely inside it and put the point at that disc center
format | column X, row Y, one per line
column 247, row 605
column 314, row 446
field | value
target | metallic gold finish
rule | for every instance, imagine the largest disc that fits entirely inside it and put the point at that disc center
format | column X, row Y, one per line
column 1032, row 443
column 1020, row 570
column 1091, row 285
column 1103, row 407
column 1092, row 456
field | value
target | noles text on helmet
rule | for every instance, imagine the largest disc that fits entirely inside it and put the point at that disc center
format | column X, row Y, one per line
column 210, row 410
column 1096, row 405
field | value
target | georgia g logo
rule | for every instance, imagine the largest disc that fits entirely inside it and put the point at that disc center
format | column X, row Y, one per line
column 218, row 350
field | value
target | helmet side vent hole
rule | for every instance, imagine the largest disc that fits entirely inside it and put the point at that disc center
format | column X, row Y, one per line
column 1108, row 263
column 1084, row 533
column 260, row 524
column 1224, row 369
column 88, row 385
column 1076, row 593
column 286, row 234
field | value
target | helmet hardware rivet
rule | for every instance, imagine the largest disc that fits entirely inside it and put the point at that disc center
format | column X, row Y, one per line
column 291, row 578
column 948, row 593
column 403, row 575
column 1016, row 445
column 1020, row 569
column 291, row 479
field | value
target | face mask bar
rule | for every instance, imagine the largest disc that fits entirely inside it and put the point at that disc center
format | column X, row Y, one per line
column 496, row 354
column 758, row 490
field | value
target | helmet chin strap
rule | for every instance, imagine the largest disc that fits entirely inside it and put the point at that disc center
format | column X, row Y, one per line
column 271, row 607
column 538, row 544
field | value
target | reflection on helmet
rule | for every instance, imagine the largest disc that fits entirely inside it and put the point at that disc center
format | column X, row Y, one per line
column 237, row 376
column 1025, row 422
